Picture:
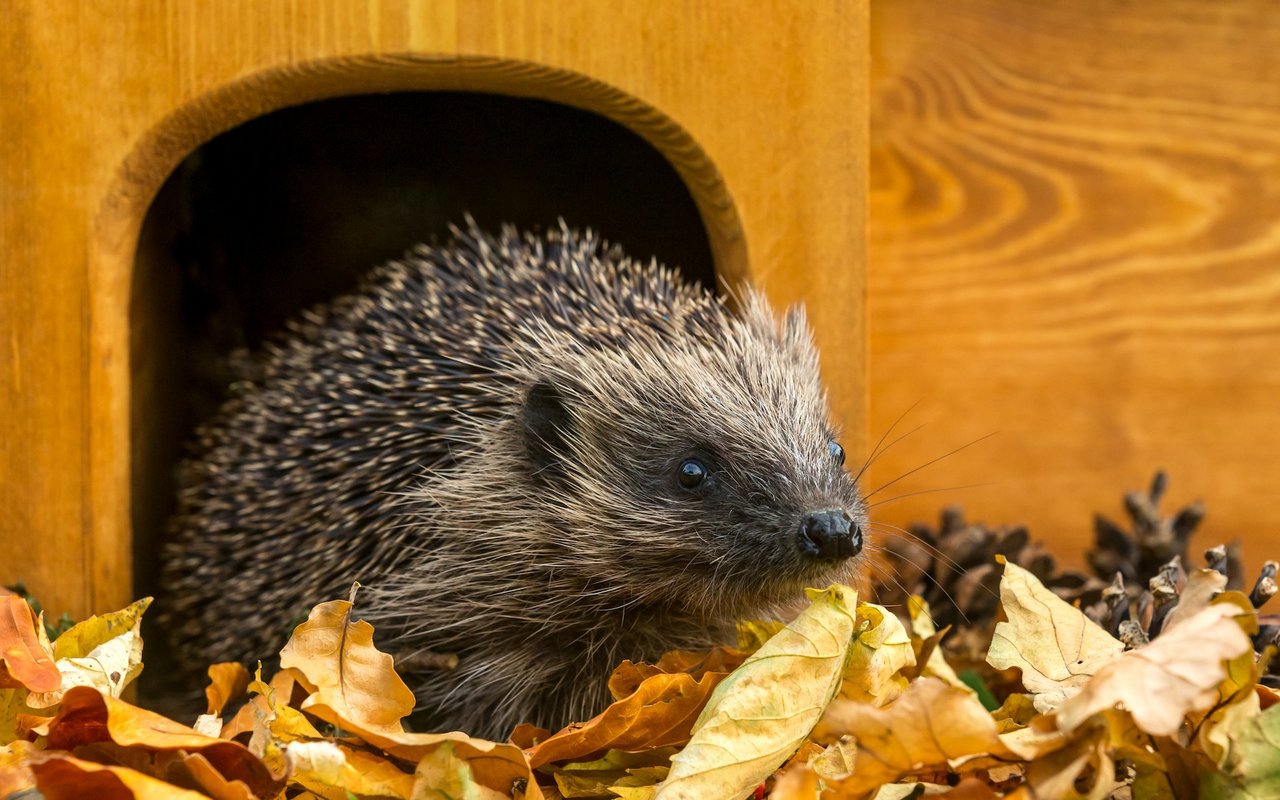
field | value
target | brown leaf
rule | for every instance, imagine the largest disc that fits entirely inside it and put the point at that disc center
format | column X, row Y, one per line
column 660, row 713
column 1161, row 683
column 227, row 683
column 1057, row 648
column 25, row 662
column 87, row 716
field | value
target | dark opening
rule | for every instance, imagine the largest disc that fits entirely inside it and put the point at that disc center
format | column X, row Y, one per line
column 289, row 209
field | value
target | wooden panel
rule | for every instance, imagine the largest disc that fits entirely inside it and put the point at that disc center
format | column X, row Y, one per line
column 1075, row 245
column 98, row 102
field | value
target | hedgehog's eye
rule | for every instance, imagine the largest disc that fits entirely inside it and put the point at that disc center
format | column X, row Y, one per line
column 692, row 473
column 836, row 451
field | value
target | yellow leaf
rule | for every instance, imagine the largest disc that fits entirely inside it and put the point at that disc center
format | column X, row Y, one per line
column 102, row 652
column 351, row 680
column 927, row 636
column 1160, row 683
column 320, row 764
column 84, row 637
column 880, row 649
column 754, row 633
column 761, row 713
column 1055, row 645
column 928, row 728
column 11, row 705
column 442, row 775
column 108, row 668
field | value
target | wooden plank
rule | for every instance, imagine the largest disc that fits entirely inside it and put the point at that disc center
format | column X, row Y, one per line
column 1075, row 246
column 101, row 100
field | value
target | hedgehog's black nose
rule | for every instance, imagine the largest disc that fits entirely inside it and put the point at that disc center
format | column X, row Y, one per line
column 829, row 535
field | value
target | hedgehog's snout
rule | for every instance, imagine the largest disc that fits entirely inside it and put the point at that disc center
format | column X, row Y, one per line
column 829, row 535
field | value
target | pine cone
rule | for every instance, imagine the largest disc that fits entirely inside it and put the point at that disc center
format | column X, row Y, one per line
column 1138, row 575
column 954, row 569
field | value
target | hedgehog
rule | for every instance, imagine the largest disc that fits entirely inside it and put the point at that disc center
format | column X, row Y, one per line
column 537, row 455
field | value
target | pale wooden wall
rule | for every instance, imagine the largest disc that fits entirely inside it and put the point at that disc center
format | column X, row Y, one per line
column 1075, row 239
column 761, row 109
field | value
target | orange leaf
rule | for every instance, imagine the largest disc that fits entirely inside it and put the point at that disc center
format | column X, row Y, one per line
column 659, row 713
column 227, row 682
column 87, row 716
column 63, row 777
column 628, row 676
column 212, row 782
column 24, row 661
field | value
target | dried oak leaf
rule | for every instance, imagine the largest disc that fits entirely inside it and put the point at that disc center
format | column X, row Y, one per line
column 1057, row 648
column 760, row 714
column 1160, row 683
column 354, row 686
column 931, row 727
column 442, row 775
column 349, row 679
column 26, row 658
column 321, row 766
column 661, row 712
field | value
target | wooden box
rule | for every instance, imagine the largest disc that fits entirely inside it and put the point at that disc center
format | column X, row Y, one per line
column 758, row 109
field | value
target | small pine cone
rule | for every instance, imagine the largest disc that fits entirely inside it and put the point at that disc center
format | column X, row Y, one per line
column 1137, row 555
column 954, row 568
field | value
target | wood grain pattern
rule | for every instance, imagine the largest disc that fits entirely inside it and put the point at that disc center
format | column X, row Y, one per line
column 761, row 109
column 1075, row 244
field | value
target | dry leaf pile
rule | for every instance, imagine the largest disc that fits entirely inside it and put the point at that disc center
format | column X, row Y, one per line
column 845, row 701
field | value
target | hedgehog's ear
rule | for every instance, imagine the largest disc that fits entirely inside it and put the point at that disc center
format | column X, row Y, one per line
column 796, row 334
column 547, row 426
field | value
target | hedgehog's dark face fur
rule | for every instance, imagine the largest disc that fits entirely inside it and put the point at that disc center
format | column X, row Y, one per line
column 693, row 468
